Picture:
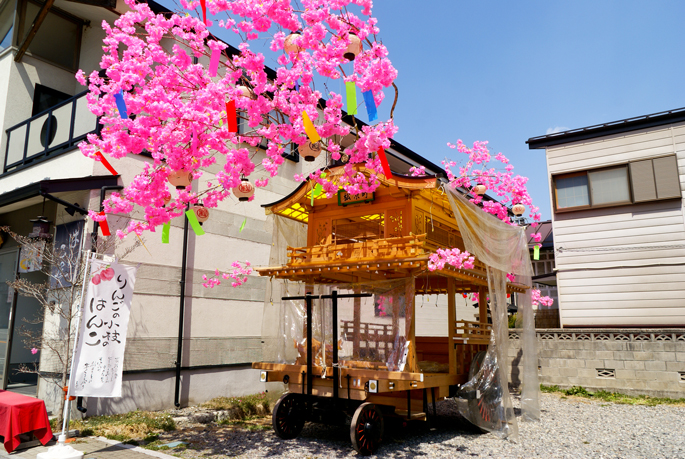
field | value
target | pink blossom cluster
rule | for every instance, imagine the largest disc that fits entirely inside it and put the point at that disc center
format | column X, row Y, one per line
column 537, row 299
column 453, row 257
column 238, row 274
column 499, row 180
column 176, row 103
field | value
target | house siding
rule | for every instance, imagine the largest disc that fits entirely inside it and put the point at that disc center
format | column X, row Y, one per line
column 610, row 272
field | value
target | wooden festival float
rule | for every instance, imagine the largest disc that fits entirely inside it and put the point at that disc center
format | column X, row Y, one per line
column 360, row 241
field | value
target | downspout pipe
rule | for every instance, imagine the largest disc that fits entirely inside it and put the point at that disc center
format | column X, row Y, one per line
column 181, row 312
column 96, row 225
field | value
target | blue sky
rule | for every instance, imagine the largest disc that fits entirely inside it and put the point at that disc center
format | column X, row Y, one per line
column 505, row 71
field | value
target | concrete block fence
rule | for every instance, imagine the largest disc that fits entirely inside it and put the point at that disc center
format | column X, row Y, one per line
column 631, row 361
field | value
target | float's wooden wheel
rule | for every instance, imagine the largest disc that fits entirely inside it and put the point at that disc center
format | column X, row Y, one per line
column 484, row 408
column 366, row 429
column 289, row 416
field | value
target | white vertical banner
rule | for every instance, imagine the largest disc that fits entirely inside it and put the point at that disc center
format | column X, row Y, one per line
column 99, row 355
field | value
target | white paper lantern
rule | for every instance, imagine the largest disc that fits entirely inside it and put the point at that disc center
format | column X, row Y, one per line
column 518, row 209
column 289, row 45
column 479, row 189
column 310, row 151
column 245, row 91
column 180, row 179
column 201, row 212
column 244, row 191
column 354, row 48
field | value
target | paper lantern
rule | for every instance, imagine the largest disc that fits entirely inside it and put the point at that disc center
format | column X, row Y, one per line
column 354, row 48
column 167, row 199
column 244, row 191
column 289, row 45
column 180, row 179
column 310, row 151
column 245, row 91
column 479, row 189
column 201, row 212
column 518, row 209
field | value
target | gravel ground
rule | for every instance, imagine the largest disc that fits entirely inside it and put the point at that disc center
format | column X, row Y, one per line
column 570, row 428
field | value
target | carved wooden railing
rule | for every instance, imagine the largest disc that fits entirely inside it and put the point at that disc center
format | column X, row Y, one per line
column 472, row 332
column 371, row 250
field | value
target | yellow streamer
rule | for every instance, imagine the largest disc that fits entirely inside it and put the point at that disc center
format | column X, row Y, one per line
column 309, row 128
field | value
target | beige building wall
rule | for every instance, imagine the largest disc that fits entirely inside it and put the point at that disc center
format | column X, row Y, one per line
column 641, row 284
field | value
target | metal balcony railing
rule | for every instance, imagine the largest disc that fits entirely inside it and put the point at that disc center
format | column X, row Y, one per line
column 50, row 133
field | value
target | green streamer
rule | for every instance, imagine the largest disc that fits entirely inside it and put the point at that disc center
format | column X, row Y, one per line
column 351, row 98
column 536, row 252
column 192, row 219
column 242, row 225
column 165, row 233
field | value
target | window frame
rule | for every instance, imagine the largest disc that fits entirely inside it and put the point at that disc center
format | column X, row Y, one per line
column 587, row 172
column 80, row 23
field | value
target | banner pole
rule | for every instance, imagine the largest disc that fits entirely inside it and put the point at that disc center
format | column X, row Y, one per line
column 67, row 402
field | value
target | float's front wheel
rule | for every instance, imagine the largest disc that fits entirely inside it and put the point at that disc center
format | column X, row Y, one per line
column 289, row 416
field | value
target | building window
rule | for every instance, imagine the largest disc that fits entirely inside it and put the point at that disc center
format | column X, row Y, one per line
column 638, row 181
column 58, row 38
column 6, row 24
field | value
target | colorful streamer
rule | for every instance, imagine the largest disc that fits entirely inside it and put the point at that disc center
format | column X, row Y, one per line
column 106, row 163
column 310, row 129
column 165, row 233
column 104, row 226
column 536, row 252
column 231, row 116
column 242, row 225
column 203, row 5
column 370, row 105
column 384, row 163
column 192, row 219
column 351, row 97
column 214, row 62
column 121, row 104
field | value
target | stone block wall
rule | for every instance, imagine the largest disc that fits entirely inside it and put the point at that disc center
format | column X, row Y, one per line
column 630, row 361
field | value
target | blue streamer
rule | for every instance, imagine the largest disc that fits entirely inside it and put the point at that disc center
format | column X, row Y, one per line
column 370, row 105
column 121, row 104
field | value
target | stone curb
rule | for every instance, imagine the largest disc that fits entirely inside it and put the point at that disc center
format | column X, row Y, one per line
column 136, row 449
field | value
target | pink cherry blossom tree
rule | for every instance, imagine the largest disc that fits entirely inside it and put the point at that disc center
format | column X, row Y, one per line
column 158, row 96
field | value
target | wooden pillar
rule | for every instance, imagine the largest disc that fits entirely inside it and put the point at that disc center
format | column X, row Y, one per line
column 483, row 305
column 451, row 324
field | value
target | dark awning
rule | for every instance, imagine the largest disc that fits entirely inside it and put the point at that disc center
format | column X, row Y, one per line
column 45, row 187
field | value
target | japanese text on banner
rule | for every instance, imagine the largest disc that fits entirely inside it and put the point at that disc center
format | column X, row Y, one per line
column 99, row 356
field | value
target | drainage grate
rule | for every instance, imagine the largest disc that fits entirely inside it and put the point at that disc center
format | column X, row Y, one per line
column 682, row 376
column 606, row 373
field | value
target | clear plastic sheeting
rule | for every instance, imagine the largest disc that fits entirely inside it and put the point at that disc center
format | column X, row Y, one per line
column 280, row 316
column 375, row 332
column 503, row 249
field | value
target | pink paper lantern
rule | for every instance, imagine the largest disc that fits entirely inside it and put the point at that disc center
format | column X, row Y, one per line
column 518, row 209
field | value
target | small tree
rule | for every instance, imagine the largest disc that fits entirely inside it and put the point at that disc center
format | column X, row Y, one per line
column 59, row 297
